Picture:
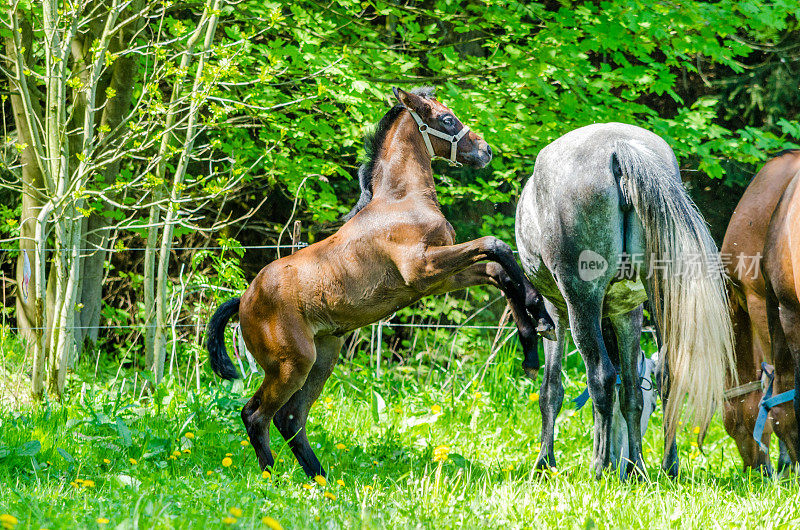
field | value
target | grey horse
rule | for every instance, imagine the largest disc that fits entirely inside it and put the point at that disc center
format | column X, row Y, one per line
column 604, row 224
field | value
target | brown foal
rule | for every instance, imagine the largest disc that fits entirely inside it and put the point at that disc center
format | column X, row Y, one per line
column 395, row 248
column 746, row 240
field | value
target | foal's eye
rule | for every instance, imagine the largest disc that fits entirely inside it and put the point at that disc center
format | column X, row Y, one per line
column 448, row 121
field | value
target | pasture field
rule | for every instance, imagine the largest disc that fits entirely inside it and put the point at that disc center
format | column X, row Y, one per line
column 180, row 458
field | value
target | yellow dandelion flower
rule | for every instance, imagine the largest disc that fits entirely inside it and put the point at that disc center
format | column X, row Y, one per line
column 398, row 409
column 477, row 395
column 319, row 479
column 187, row 451
column 441, row 453
column 8, row 521
column 696, row 430
column 236, row 512
column 88, row 484
column 436, row 409
column 133, row 461
column 189, row 435
column 73, row 484
column 307, row 486
column 229, row 520
column 209, row 473
column 375, row 462
column 106, row 461
column 102, row 520
column 367, row 488
column 694, row 444
column 329, row 495
column 534, row 397
column 265, row 475
column 226, row 462
column 79, row 480
column 340, row 482
column 341, row 446
column 176, row 454
column 271, row 523
column 280, row 460
column 244, row 443
column 172, row 457
column 328, row 400
column 228, row 454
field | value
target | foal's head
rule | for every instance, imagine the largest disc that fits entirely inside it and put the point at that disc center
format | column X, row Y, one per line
column 443, row 129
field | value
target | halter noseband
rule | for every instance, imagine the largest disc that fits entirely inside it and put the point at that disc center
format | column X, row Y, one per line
column 425, row 130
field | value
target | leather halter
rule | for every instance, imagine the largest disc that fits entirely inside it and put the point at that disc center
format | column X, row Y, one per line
column 426, row 131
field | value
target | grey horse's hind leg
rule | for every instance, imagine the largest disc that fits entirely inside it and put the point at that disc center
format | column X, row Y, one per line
column 669, row 463
column 584, row 316
column 628, row 329
column 551, row 394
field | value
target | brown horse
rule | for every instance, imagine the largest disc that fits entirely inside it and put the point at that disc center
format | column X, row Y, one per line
column 781, row 269
column 395, row 248
column 745, row 241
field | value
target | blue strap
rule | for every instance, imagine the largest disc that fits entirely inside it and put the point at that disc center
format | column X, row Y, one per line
column 768, row 401
column 581, row 400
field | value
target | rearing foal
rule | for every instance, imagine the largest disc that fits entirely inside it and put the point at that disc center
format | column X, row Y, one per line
column 395, row 248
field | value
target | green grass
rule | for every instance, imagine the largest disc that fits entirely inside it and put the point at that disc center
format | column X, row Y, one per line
column 388, row 473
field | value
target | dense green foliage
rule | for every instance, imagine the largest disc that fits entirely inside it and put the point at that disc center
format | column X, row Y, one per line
column 295, row 85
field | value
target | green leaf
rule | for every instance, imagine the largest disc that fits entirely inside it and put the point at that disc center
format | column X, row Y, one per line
column 124, row 432
column 378, row 408
column 29, row 448
column 65, row 455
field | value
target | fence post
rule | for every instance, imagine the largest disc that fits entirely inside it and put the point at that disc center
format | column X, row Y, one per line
column 296, row 236
column 378, row 352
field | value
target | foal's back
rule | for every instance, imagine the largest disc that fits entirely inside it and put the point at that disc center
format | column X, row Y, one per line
column 341, row 283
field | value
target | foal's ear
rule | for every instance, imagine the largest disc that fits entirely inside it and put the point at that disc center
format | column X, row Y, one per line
column 412, row 101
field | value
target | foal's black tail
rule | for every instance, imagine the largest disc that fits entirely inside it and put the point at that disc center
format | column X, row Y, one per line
column 220, row 362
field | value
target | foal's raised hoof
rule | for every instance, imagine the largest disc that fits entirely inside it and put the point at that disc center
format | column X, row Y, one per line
column 546, row 329
column 530, row 372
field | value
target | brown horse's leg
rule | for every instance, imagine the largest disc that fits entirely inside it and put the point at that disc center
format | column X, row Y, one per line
column 740, row 412
column 287, row 358
column 493, row 274
column 291, row 418
column 437, row 264
column 785, row 335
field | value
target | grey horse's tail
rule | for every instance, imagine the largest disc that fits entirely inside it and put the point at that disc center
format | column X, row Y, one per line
column 221, row 364
column 686, row 284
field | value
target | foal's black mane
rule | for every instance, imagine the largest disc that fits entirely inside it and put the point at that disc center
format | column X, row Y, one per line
column 373, row 141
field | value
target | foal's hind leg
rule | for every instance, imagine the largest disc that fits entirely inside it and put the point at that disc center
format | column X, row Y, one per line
column 286, row 359
column 292, row 417
column 551, row 394
column 628, row 329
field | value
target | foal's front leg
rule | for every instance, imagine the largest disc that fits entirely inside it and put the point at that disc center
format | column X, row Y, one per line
column 492, row 274
column 442, row 269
